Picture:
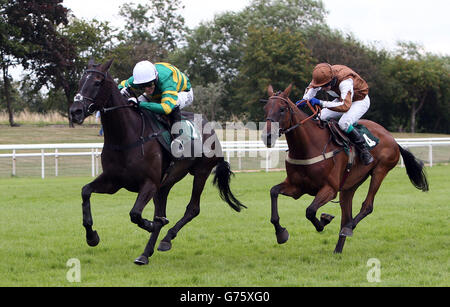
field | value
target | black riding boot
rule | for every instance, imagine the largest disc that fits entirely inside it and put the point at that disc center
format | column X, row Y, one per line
column 360, row 143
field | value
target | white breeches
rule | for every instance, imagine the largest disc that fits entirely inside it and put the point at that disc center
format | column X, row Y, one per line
column 356, row 111
column 185, row 99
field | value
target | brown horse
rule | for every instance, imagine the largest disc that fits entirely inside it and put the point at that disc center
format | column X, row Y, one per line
column 316, row 166
column 133, row 159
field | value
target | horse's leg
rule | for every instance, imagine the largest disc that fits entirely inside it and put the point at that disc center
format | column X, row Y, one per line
column 146, row 193
column 104, row 185
column 326, row 194
column 345, row 198
column 192, row 210
column 158, row 223
column 378, row 176
column 286, row 189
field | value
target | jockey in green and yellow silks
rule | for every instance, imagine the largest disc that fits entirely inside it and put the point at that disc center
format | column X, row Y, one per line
column 164, row 85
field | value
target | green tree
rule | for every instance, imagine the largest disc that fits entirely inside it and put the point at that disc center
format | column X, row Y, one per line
column 31, row 98
column 285, row 14
column 271, row 57
column 88, row 39
column 215, row 50
column 435, row 115
column 159, row 22
column 32, row 39
column 207, row 101
column 418, row 78
column 12, row 46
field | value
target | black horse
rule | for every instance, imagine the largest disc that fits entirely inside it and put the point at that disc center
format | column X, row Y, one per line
column 133, row 159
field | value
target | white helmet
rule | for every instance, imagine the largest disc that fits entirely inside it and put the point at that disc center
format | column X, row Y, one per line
column 144, row 72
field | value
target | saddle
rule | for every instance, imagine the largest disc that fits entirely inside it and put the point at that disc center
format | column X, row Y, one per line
column 187, row 132
column 337, row 136
column 341, row 139
column 160, row 126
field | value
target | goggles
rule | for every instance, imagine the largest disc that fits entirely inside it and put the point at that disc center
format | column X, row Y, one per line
column 144, row 85
column 331, row 83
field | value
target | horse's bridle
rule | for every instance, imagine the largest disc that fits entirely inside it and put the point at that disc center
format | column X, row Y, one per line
column 79, row 98
column 92, row 106
column 291, row 114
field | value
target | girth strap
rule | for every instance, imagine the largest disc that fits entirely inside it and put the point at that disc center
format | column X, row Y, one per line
column 315, row 160
column 140, row 142
column 142, row 139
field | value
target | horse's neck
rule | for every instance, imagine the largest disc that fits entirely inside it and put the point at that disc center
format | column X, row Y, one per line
column 120, row 126
column 306, row 141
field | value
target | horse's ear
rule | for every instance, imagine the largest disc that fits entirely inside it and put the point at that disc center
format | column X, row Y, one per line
column 105, row 67
column 288, row 90
column 270, row 90
column 91, row 63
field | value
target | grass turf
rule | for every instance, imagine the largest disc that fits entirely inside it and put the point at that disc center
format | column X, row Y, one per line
column 41, row 229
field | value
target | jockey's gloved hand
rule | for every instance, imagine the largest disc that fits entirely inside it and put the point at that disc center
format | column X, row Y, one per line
column 125, row 92
column 315, row 102
column 134, row 102
column 301, row 103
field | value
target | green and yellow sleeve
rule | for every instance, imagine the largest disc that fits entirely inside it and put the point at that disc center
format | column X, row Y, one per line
column 127, row 83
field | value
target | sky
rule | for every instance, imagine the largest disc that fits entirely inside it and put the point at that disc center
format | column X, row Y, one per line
column 383, row 22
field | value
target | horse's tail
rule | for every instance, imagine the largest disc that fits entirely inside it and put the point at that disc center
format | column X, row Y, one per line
column 222, row 176
column 414, row 169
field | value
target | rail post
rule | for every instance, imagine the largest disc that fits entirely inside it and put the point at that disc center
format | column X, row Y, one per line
column 42, row 164
column 14, row 163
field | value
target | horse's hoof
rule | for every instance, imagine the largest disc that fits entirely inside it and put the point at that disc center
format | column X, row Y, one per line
column 326, row 219
column 283, row 236
column 141, row 260
column 164, row 246
column 346, row 232
column 93, row 239
column 338, row 251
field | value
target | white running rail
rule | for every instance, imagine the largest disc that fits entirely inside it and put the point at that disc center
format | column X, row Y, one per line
column 231, row 149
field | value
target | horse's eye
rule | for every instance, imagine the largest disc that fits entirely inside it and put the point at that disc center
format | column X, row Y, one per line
column 97, row 82
column 282, row 110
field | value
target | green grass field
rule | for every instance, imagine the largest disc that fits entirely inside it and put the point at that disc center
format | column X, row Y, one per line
column 41, row 229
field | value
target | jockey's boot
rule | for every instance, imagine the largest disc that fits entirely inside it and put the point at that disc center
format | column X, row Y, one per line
column 360, row 143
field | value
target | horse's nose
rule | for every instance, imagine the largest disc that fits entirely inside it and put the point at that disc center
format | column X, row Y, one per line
column 77, row 114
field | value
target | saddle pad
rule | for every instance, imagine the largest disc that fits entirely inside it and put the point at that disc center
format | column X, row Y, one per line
column 186, row 128
column 341, row 139
column 371, row 140
column 164, row 137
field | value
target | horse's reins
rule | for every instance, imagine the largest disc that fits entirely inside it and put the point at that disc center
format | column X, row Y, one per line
column 291, row 112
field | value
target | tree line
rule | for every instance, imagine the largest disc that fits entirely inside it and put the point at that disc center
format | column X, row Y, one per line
column 230, row 60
